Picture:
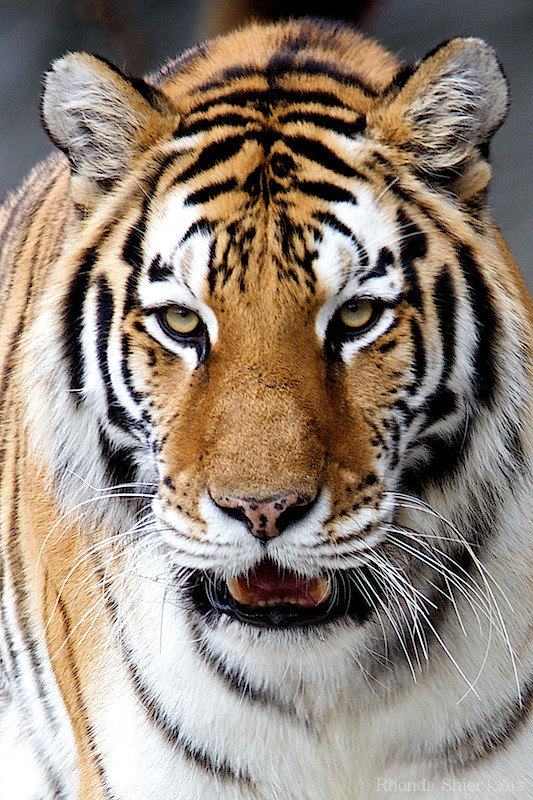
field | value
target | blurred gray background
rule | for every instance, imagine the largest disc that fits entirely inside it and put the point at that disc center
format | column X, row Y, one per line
column 140, row 35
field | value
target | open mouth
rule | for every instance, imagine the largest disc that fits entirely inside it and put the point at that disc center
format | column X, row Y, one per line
column 274, row 598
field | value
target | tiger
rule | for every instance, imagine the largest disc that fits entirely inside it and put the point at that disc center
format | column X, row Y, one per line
column 266, row 432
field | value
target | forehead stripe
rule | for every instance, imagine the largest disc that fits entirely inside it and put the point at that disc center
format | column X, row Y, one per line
column 219, row 120
column 212, row 155
column 327, row 191
column 327, row 121
column 283, row 64
column 315, row 151
column 211, row 192
column 270, row 98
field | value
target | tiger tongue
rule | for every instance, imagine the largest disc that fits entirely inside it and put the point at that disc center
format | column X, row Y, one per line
column 266, row 585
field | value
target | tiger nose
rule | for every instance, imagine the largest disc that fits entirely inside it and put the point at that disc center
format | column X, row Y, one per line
column 266, row 519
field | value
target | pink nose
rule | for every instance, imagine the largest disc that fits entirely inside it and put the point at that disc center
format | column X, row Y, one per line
column 266, row 519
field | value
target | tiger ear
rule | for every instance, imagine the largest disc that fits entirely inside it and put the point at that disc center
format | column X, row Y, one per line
column 100, row 118
column 448, row 110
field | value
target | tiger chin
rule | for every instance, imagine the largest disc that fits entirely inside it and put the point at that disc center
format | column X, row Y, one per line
column 266, row 488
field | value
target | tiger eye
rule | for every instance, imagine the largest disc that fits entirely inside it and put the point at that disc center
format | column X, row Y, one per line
column 356, row 313
column 181, row 320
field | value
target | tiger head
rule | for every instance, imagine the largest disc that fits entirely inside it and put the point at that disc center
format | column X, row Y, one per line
column 274, row 314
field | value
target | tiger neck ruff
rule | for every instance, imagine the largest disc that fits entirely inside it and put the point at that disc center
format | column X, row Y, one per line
column 266, row 431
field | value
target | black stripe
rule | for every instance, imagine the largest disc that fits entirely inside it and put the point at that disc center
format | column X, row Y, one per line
column 284, row 63
column 446, row 308
column 385, row 259
column 212, row 271
column 104, row 319
column 486, row 323
column 132, row 253
column 419, row 356
column 319, row 153
column 159, row 271
column 326, row 191
column 121, row 467
column 327, row 121
column 443, row 401
column 105, row 312
column 413, row 245
column 327, row 218
column 441, row 404
column 127, row 376
column 443, row 454
column 236, row 682
column 219, row 120
column 200, row 226
column 212, row 155
column 210, row 192
column 73, row 321
column 263, row 100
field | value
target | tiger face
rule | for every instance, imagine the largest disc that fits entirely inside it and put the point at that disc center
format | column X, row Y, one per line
column 283, row 380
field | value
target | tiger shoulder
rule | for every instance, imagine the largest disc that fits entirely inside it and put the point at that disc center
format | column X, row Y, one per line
column 266, row 432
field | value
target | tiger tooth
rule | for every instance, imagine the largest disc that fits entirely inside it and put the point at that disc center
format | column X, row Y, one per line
column 240, row 591
column 320, row 590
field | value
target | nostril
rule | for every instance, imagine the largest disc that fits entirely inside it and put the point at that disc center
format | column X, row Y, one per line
column 236, row 512
column 294, row 513
column 269, row 517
